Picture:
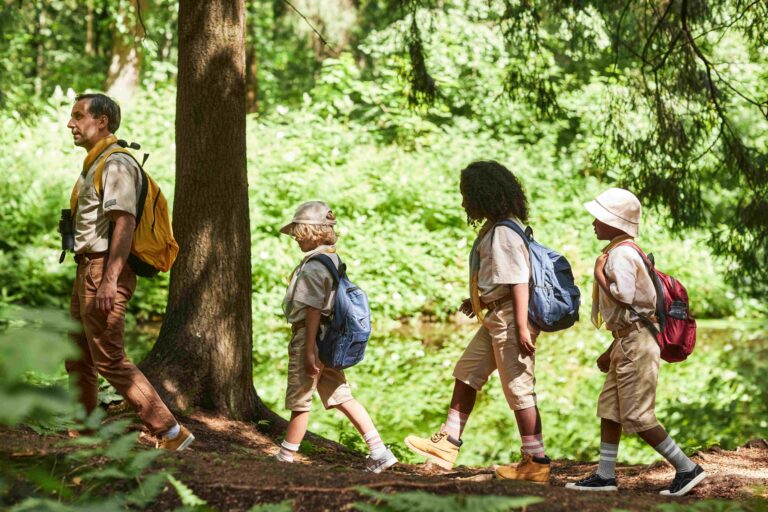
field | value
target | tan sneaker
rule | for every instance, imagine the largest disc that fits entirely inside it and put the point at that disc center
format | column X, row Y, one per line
column 532, row 469
column 441, row 448
column 178, row 443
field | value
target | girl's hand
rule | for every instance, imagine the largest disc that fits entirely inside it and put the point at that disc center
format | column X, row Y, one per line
column 527, row 345
column 311, row 365
column 604, row 361
column 466, row 308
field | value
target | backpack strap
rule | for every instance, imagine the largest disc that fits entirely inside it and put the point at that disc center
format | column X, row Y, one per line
column 328, row 263
column 649, row 264
column 526, row 235
column 97, row 176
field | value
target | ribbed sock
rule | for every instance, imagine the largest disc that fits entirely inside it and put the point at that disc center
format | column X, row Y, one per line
column 533, row 445
column 674, row 455
column 287, row 451
column 606, row 468
column 375, row 444
column 172, row 433
column 455, row 423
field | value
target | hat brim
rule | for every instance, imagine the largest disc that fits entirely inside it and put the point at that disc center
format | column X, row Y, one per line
column 286, row 230
column 610, row 219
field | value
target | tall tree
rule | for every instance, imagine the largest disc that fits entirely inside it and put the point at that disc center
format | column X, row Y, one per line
column 125, row 61
column 202, row 357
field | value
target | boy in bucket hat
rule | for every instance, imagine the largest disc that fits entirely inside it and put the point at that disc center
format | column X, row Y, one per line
column 631, row 363
column 308, row 306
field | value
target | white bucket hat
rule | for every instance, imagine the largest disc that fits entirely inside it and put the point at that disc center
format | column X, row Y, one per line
column 618, row 208
column 315, row 213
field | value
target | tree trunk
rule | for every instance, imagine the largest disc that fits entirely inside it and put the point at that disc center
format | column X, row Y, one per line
column 125, row 64
column 203, row 356
column 251, row 67
column 89, row 42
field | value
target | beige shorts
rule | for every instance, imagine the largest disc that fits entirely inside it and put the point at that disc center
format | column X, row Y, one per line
column 629, row 393
column 330, row 384
column 495, row 346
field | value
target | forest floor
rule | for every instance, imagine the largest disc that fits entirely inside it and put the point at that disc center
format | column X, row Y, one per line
column 230, row 465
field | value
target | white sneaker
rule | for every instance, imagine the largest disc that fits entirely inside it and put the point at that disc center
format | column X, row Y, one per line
column 377, row 465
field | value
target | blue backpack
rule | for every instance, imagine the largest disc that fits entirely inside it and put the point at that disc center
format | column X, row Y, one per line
column 345, row 339
column 554, row 300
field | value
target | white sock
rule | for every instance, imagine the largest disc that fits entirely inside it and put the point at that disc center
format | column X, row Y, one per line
column 533, row 445
column 455, row 422
column 606, row 468
column 287, row 451
column 375, row 444
column 172, row 433
column 674, row 455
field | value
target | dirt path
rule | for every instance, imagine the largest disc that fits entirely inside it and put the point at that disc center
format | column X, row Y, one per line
column 230, row 466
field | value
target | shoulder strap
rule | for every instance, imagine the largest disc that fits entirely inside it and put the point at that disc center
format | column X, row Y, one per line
column 328, row 263
column 514, row 226
column 649, row 268
column 144, row 181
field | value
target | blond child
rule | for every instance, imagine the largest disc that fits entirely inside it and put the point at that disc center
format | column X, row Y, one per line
column 308, row 307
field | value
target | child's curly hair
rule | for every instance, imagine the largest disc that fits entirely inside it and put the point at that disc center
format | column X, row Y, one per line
column 490, row 191
column 321, row 234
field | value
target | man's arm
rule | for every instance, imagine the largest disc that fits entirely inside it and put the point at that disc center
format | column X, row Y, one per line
column 119, row 249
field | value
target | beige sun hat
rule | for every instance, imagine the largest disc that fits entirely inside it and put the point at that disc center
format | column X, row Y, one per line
column 618, row 208
column 315, row 213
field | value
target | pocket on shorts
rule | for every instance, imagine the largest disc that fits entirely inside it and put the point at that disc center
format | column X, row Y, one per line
column 94, row 277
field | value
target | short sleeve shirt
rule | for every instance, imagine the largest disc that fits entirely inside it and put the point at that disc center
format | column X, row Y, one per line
column 504, row 261
column 121, row 186
column 630, row 283
column 311, row 286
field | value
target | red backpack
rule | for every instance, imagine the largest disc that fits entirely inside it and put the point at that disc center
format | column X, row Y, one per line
column 677, row 328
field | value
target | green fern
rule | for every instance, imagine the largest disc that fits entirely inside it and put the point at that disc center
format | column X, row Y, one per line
column 283, row 506
column 186, row 495
column 425, row 502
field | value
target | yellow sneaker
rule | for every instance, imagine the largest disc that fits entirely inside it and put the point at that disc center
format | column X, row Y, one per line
column 178, row 443
column 532, row 469
column 441, row 448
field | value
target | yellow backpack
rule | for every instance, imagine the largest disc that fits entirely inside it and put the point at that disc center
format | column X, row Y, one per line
column 154, row 249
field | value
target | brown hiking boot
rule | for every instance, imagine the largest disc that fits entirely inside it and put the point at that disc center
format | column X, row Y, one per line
column 441, row 448
column 178, row 443
column 532, row 469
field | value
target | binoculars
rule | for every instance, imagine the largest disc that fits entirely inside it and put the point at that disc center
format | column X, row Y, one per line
column 67, row 233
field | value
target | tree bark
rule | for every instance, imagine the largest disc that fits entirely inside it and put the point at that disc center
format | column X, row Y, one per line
column 203, row 356
column 125, row 64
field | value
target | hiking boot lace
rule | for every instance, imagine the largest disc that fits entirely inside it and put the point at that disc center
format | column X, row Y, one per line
column 437, row 437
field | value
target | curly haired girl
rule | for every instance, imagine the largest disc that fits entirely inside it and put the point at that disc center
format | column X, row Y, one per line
column 499, row 277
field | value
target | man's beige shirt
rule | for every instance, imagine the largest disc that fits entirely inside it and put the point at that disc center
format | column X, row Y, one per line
column 311, row 286
column 630, row 283
column 121, row 186
column 504, row 261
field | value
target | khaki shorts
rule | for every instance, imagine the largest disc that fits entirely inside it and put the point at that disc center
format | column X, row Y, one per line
column 330, row 384
column 629, row 393
column 495, row 346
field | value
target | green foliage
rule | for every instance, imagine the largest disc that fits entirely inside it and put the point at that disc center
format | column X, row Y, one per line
column 283, row 506
column 426, row 502
column 754, row 505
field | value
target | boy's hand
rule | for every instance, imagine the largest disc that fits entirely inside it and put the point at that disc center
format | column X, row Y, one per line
column 527, row 346
column 600, row 265
column 466, row 308
column 604, row 361
column 311, row 365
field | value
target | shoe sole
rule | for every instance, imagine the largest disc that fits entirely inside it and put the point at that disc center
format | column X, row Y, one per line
column 502, row 477
column 608, row 488
column 685, row 490
column 436, row 460
column 186, row 443
column 386, row 465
